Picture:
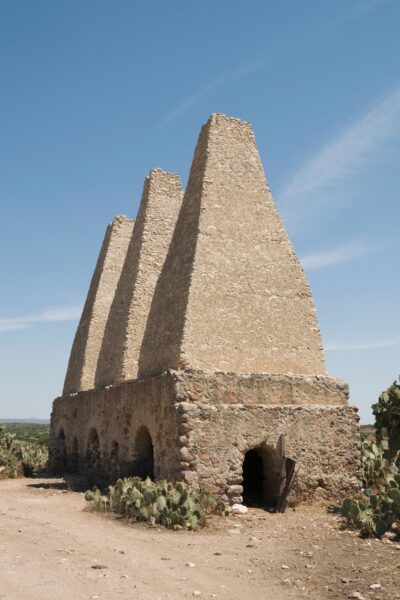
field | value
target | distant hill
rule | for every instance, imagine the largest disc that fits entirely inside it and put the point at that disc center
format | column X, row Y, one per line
column 29, row 421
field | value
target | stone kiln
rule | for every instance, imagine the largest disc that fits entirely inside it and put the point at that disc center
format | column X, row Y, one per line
column 199, row 346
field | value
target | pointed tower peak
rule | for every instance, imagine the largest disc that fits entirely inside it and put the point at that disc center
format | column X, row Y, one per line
column 120, row 220
column 219, row 118
column 163, row 183
column 157, row 215
column 158, row 173
column 88, row 338
column 232, row 295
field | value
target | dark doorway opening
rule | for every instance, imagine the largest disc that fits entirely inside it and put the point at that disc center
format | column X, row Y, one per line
column 253, row 479
column 93, row 451
column 114, row 458
column 143, row 459
column 60, row 452
column 73, row 460
column 261, row 477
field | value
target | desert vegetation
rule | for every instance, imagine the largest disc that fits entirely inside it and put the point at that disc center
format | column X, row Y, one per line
column 23, row 449
column 175, row 506
column 378, row 512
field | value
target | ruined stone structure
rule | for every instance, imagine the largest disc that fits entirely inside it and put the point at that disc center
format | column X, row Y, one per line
column 159, row 208
column 89, row 336
column 210, row 349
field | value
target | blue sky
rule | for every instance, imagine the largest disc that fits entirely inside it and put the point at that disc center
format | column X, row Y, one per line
column 96, row 93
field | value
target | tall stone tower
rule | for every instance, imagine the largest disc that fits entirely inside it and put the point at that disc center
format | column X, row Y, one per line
column 89, row 336
column 211, row 351
column 232, row 295
column 161, row 201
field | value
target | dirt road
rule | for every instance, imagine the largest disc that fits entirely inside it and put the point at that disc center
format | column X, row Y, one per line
column 51, row 547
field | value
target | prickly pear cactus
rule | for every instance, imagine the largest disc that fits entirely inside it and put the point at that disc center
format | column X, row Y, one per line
column 19, row 457
column 174, row 506
column 387, row 419
column 379, row 512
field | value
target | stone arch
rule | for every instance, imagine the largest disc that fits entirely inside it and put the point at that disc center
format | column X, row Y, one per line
column 114, row 457
column 59, row 451
column 261, row 477
column 92, row 458
column 74, row 458
column 143, row 454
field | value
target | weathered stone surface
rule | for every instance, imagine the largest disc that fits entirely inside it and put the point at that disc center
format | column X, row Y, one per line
column 214, row 318
column 234, row 490
column 87, row 343
column 239, row 509
column 116, row 414
column 161, row 200
column 232, row 295
column 218, row 388
column 322, row 438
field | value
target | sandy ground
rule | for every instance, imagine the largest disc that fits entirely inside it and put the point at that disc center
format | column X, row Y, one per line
column 52, row 547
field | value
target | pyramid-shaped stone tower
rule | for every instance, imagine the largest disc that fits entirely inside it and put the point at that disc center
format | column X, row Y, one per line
column 159, row 208
column 232, row 295
column 210, row 367
column 89, row 335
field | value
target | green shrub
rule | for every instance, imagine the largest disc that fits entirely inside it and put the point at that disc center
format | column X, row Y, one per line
column 379, row 511
column 19, row 457
column 175, row 506
column 387, row 420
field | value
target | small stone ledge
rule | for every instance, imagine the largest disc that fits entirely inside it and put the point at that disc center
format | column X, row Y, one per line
column 259, row 388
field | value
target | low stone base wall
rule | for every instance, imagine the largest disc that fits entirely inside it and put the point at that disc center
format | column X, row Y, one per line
column 201, row 426
column 323, row 440
column 97, row 430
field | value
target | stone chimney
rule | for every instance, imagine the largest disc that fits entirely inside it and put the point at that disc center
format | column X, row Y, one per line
column 158, row 212
column 89, row 335
column 232, row 295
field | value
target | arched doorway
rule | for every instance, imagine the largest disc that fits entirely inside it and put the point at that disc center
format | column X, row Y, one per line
column 114, row 457
column 253, row 479
column 73, row 459
column 92, row 459
column 261, row 477
column 59, row 452
column 143, row 458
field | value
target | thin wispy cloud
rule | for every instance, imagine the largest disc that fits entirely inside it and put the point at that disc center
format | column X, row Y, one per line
column 336, row 256
column 66, row 313
column 342, row 157
column 370, row 345
column 238, row 73
column 367, row 6
column 357, row 10
column 194, row 99
column 274, row 55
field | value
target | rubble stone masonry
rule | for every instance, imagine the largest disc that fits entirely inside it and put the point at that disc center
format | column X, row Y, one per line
column 232, row 295
column 161, row 201
column 89, row 336
column 199, row 345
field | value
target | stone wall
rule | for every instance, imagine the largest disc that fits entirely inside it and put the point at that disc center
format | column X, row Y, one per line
column 323, row 440
column 117, row 413
column 232, row 295
column 232, row 388
column 212, row 314
column 156, row 219
column 202, row 424
column 89, row 335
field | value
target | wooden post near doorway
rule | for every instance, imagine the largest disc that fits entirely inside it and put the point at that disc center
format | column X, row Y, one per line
column 287, row 466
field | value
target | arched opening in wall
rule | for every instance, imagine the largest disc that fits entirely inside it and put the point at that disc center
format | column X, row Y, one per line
column 114, row 457
column 92, row 459
column 73, row 459
column 261, row 477
column 143, row 457
column 59, row 451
